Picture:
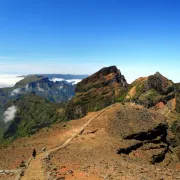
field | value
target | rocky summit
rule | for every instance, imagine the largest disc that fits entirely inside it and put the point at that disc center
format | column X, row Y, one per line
column 151, row 90
column 96, row 92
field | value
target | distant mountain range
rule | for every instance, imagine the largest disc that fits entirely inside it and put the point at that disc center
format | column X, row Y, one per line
column 64, row 76
column 9, row 80
column 47, row 89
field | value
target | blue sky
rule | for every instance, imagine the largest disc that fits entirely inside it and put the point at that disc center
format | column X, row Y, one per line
column 81, row 36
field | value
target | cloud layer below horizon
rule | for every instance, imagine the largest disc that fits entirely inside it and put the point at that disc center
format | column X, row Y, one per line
column 72, row 81
column 130, row 73
column 9, row 80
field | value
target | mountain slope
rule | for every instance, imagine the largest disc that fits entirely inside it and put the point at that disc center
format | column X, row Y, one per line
column 151, row 90
column 32, row 113
column 123, row 142
column 27, row 80
column 96, row 92
column 42, row 86
column 103, row 149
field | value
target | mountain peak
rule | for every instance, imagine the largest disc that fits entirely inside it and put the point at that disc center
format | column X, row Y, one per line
column 103, row 77
column 158, row 74
column 110, row 69
column 99, row 90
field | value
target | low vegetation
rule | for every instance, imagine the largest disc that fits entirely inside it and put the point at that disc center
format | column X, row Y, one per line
column 33, row 113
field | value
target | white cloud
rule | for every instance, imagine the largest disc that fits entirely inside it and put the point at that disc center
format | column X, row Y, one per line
column 27, row 87
column 39, row 88
column 9, row 80
column 15, row 91
column 60, row 87
column 74, row 81
column 10, row 113
column 56, row 79
column 71, row 81
column 131, row 69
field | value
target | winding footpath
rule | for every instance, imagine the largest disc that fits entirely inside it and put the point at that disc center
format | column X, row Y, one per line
column 35, row 170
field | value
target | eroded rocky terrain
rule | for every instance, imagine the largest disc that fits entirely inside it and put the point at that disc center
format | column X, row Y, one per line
column 111, row 148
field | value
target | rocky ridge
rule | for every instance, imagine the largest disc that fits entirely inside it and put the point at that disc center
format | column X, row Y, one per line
column 151, row 90
column 155, row 92
column 96, row 92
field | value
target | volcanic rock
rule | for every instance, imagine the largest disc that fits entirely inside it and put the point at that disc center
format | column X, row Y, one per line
column 96, row 92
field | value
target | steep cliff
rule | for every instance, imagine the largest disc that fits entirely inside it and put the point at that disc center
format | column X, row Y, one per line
column 96, row 92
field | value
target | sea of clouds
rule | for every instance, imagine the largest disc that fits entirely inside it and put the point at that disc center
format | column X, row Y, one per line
column 72, row 81
column 7, row 80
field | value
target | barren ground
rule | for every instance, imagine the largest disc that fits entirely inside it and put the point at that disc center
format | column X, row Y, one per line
column 92, row 155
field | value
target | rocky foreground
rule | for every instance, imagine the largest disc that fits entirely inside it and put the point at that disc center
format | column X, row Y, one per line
column 109, row 147
column 118, row 145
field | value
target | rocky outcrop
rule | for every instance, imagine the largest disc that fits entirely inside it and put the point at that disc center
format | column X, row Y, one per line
column 143, row 131
column 14, row 174
column 96, row 92
column 109, row 76
column 155, row 142
column 138, row 123
column 151, row 90
column 175, row 140
column 160, row 84
column 177, row 102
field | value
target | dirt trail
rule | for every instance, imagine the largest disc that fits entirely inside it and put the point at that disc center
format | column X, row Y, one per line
column 35, row 169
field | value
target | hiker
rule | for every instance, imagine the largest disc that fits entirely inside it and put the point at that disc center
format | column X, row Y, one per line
column 34, row 153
